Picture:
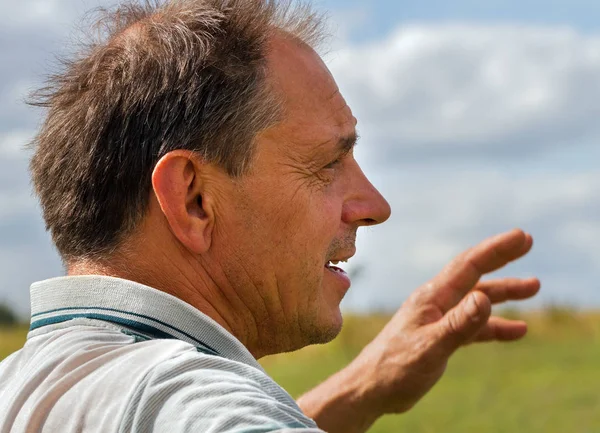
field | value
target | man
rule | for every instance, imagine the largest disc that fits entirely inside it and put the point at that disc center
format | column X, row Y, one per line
column 196, row 172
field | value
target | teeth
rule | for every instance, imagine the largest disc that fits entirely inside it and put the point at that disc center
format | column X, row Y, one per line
column 334, row 262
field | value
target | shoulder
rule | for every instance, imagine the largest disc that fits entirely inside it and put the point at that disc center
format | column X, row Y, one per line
column 194, row 391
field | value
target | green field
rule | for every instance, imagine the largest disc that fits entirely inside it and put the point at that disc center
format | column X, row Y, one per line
column 548, row 383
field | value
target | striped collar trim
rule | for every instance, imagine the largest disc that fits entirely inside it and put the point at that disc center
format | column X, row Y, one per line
column 133, row 306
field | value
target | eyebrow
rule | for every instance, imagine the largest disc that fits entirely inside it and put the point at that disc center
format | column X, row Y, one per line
column 347, row 143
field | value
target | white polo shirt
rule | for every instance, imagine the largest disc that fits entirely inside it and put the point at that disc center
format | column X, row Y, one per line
column 109, row 355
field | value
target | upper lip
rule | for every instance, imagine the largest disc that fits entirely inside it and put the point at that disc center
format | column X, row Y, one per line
column 342, row 257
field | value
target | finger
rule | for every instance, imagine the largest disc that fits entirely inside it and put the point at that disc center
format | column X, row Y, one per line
column 464, row 322
column 494, row 253
column 460, row 276
column 500, row 329
column 509, row 289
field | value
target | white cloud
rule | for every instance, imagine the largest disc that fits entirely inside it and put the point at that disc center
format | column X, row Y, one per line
column 583, row 234
column 431, row 253
column 432, row 91
column 469, row 131
column 22, row 265
column 47, row 14
column 422, row 95
column 13, row 143
column 16, row 203
column 439, row 213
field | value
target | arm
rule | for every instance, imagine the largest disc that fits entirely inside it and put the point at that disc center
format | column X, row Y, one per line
column 410, row 354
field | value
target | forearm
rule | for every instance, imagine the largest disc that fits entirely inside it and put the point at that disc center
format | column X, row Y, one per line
column 341, row 404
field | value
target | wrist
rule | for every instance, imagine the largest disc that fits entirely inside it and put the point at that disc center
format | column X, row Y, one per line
column 343, row 403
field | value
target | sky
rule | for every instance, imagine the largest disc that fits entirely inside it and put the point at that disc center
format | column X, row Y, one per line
column 475, row 118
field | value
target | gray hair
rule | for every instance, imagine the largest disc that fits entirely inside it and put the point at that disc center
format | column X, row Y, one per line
column 159, row 76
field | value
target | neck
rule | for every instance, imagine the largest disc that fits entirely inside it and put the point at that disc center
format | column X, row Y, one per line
column 190, row 279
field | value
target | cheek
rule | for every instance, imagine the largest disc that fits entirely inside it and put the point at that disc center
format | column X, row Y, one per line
column 295, row 225
column 317, row 221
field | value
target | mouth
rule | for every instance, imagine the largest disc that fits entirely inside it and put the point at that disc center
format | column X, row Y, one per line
column 338, row 275
column 332, row 266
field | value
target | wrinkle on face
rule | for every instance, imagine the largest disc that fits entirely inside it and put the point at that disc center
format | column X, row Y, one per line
column 312, row 120
column 303, row 159
column 284, row 218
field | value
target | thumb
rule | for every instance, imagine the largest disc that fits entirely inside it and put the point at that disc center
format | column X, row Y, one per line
column 462, row 323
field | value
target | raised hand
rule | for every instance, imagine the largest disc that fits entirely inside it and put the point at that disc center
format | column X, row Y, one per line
column 410, row 354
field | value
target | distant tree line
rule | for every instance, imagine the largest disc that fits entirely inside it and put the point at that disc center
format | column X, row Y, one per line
column 8, row 317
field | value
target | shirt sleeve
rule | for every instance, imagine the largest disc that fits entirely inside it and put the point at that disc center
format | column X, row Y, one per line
column 194, row 393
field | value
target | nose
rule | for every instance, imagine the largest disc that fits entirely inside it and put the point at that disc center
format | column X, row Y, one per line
column 364, row 204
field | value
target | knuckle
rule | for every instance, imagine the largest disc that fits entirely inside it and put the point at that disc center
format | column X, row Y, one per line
column 454, row 323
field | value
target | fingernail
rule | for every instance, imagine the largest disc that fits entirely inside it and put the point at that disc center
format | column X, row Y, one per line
column 472, row 308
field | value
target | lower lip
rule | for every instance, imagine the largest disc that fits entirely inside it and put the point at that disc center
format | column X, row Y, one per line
column 340, row 275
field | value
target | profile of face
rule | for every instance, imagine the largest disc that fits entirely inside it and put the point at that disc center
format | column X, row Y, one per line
column 299, row 207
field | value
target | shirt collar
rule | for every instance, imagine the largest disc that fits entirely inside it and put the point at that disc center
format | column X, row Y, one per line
column 134, row 306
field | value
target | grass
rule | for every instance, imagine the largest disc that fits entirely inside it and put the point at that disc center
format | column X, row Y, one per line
column 11, row 339
column 548, row 383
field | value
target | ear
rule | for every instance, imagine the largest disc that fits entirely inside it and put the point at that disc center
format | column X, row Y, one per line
column 179, row 189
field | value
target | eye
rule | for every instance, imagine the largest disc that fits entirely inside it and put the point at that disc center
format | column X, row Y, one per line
column 333, row 164
column 340, row 159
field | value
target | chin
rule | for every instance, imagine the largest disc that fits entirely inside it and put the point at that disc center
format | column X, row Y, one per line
column 333, row 332
column 323, row 320
column 326, row 328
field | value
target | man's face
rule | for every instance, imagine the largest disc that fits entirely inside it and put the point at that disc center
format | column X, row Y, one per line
column 299, row 207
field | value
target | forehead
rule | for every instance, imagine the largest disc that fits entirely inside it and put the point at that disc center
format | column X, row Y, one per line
column 313, row 108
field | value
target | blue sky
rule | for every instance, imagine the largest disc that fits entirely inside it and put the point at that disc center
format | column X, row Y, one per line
column 475, row 117
column 581, row 14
